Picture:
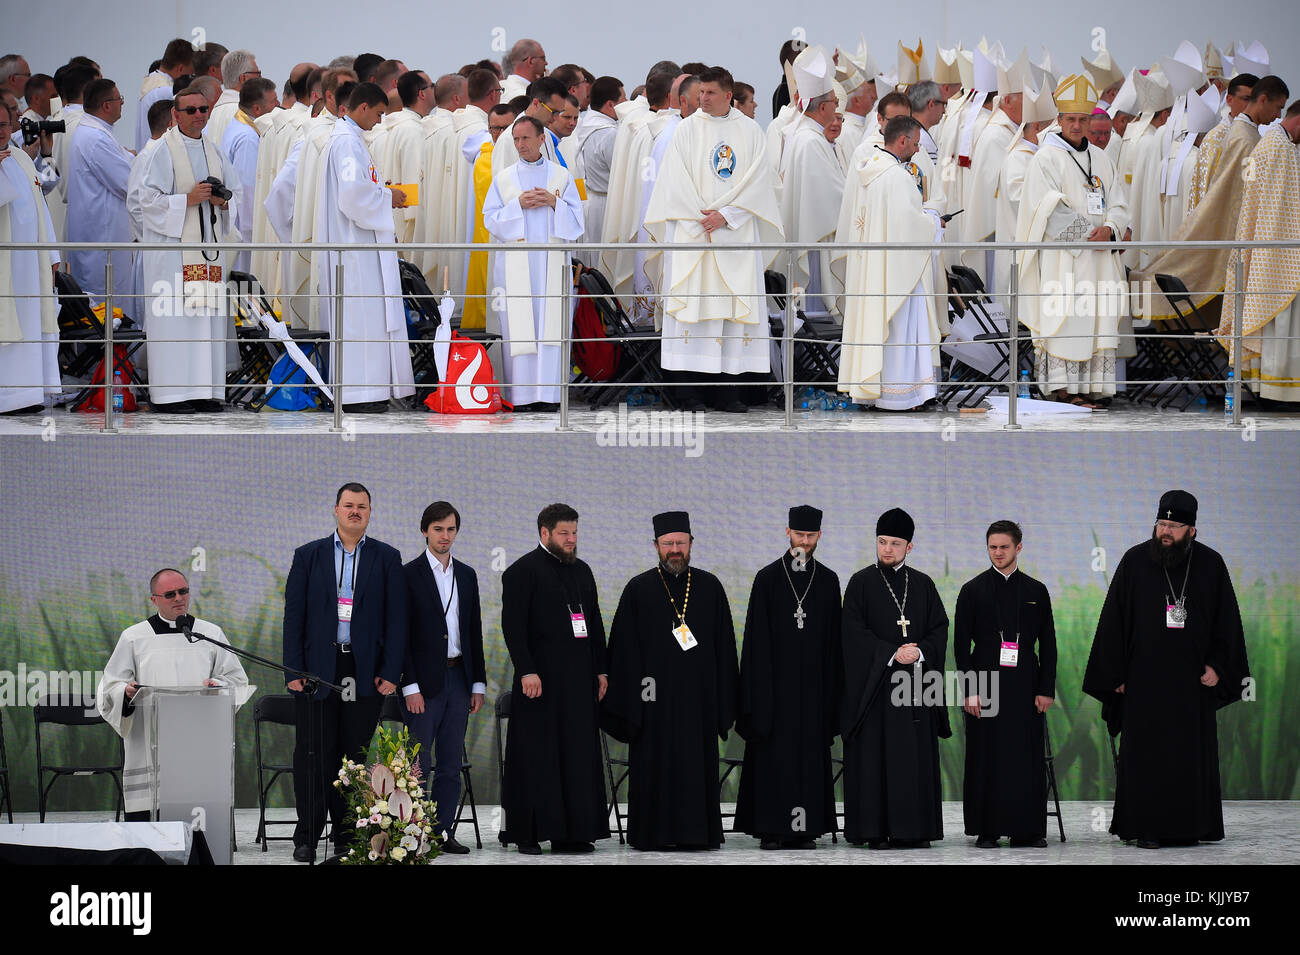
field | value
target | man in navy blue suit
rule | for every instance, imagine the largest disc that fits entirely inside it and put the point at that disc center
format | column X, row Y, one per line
column 444, row 679
column 345, row 622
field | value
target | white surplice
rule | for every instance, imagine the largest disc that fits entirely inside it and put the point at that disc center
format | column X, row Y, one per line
column 186, row 333
column 239, row 147
column 534, row 359
column 812, row 188
column 98, row 169
column 353, row 208
column 148, row 658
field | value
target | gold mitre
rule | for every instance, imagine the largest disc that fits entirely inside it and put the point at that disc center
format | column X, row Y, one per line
column 1076, row 94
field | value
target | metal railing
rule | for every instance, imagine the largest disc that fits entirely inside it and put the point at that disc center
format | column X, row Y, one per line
column 789, row 340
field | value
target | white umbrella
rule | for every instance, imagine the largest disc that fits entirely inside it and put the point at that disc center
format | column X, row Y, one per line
column 442, row 337
column 280, row 332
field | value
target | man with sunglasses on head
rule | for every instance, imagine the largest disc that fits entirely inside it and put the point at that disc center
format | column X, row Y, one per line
column 187, row 324
column 158, row 653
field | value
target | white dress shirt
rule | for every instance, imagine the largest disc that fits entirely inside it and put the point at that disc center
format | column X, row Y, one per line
column 448, row 597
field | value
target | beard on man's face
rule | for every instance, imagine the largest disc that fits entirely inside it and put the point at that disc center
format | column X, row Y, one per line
column 1167, row 555
column 676, row 563
column 565, row 557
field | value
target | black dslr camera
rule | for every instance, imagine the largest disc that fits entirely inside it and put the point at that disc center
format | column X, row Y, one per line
column 33, row 129
column 218, row 189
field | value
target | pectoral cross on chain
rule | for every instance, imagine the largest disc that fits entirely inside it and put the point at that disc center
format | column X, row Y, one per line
column 799, row 614
column 903, row 622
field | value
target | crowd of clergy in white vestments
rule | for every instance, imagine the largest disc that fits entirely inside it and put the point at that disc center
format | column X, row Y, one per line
column 962, row 146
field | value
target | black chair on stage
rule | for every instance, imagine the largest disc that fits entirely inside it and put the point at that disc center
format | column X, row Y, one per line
column 6, row 797
column 392, row 713
column 639, row 346
column 81, row 340
column 1183, row 349
column 966, row 294
column 619, row 765
column 78, row 712
column 277, row 710
column 1052, row 788
column 258, row 352
column 501, row 716
column 728, row 764
column 817, row 341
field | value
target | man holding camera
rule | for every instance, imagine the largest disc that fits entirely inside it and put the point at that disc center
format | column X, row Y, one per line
column 186, row 196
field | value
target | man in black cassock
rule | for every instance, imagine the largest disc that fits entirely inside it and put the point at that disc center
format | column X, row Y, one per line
column 892, row 717
column 790, row 679
column 1168, row 654
column 1004, row 643
column 672, row 693
column 554, row 786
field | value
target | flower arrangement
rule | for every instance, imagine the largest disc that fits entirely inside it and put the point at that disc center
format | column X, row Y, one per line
column 393, row 824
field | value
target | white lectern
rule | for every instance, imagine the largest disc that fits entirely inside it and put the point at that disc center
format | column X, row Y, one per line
column 191, row 740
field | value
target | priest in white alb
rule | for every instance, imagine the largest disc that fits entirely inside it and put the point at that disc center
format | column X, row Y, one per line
column 1038, row 111
column 1270, row 212
column 1181, row 164
column 97, row 173
column 1144, row 165
column 1072, row 300
column 29, row 330
column 156, row 653
column 239, row 145
column 716, row 188
column 853, row 76
column 979, row 221
column 532, row 200
column 890, row 348
column 812, row 179
column 287, row 128
column 353, row 208
column 401, row 158
column 188, row 322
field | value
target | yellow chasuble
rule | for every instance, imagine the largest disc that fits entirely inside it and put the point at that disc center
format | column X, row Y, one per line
column 475, row 311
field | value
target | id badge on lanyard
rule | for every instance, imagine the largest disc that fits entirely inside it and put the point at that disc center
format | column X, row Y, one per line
column 1010, row 652
column 579, row 623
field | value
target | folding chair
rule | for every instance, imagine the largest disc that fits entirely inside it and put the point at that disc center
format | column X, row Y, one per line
column 1196, row 361
column 81, row 339
column 278, row 710
column 79, row 712
column 392, row 713
column 837, row 773
column 1051, row 780
column 817, row 342
column 258, row 353
column 501, row 716
column 640, row 366
column 729, row 765
column 6, row 797
column 615, row 784
column 968, row 285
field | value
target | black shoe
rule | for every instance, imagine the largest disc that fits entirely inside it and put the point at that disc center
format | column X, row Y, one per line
column 909, row 843
column 572, row 848
column 529, row 849
column 1148, row 844
column 207, row 405
column 988, row 842
column 366, row 407
column 769, row 844
column 1029, row 842
column 450, row 845
column 879, row 844
column 304, row 854
column 172, row 407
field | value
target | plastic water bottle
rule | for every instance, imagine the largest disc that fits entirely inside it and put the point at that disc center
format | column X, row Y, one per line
column 119, row 400
column 1227, row 398
column 1023, row 391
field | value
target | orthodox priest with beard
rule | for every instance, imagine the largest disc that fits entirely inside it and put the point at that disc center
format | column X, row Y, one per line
column 1168, row 654
column 554, row 787
column 895, row 635
column 790, row 680
column 672, row 693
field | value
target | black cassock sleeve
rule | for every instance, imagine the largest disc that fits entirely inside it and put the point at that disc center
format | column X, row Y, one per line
column 833, row 661
column 620, row 713
column 728, row 674
column 1107, row 666
column 963, row 638
column 934, row 644
column 1046, row 649
column 757, row 706
column 1227, row 650
column 596, row 628
column 865, row 657
column 518, row 592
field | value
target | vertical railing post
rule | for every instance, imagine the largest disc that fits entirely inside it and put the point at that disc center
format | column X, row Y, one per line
column 336, row 347
column 110, row 426
column 1013, row 350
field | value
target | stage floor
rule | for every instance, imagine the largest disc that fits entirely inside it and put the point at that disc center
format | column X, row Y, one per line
column 1258, row 832
column 1120, row 417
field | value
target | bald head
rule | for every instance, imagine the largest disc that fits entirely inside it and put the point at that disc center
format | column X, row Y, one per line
column 210, row 86
column 450, row 91
column 528, row 59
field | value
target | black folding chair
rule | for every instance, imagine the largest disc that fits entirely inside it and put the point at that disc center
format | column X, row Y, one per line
column 964, row 283
column 278, row 710
column 817, row 342
column 615, row 784
column 1184, row 350
column 501, row 716
column 1051, row 780
column 639, row 367
column 81, row 340
column 79, row 712
column 258, row 353
column 6, row 797
column 729, row 765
